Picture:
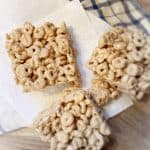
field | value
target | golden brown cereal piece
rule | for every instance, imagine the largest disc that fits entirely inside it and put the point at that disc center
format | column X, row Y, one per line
column 23, row 70
column 33, row 51
column 40, row 83
column 28, row 28
column 119, row 45
column 73, row 129
column 48, row 51
column 133, row 70
column 38, row 33
column 15, row 35
column 102, row 69
column 26, row 40
column 44, row 52
column 119, row 63
column 49, row 29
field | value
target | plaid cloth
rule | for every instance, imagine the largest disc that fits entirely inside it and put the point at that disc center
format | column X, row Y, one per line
column 119, row 12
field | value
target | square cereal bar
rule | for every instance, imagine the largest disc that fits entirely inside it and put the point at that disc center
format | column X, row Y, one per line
column 42, row 56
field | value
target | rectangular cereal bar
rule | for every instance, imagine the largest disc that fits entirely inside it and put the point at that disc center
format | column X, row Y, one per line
column 42, row 56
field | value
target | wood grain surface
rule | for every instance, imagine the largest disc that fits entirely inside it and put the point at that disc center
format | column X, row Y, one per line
column 130, row 129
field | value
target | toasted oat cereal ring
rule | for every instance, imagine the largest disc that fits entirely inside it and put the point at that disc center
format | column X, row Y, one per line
column 68, row 129
column 129, row 82
column 139, row 41
column 50, row 39
column 70, row 69
column 119, row 62
column 21, row 55
column 39, row 83
column 56, row 124
column 16, row 62
column 83, row 107
column 16, row 47
column 102, row 69
column 110, row 75
column 95, row 122
column 124, row 38
column 62, row 30
column 67, row 119
column 146, row 75
column 119, row 30
column 112, row 56
column 23, row 70
column 147, row 54
column 28, row 28
column 28, row 86
column 38, row 32
column 76, row 110
column 81, row 126
column 61, row 76
column 76, row 143
column 41, row 71
column 76, row 133
column 62, row 137
column 131, row 46
column 133, row 70
column 15, row 35
column 92, row 64
column 63, row 45
column 38, row 44
column 44, row 53
column 26, row 40
column 119, row 45
column 30, row 62
column 61, row 60
column 102, row 55
column 70, row 58
column 117, row 73
column 49, row 29
column 135, row 56
column 101, row 96
column 49, row 61
column 102, row 42
column 33, row 51
column 51, row 74
column 52, row 46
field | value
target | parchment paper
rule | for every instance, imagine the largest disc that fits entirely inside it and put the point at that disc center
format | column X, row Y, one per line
column 85, row 31
column 14, row 12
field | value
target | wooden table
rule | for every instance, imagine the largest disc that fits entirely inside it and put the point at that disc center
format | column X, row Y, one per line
column 130, row 129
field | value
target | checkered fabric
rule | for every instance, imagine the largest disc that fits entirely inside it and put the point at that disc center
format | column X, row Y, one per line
column 119, row 12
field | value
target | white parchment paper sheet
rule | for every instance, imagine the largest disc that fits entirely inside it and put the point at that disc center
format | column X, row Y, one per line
column 85, row 31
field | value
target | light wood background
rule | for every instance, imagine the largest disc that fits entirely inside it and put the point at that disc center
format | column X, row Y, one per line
column 130, row 129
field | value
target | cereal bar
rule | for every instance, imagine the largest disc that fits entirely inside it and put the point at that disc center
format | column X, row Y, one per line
column 74, row 125
column 121, row 59
column 42, row 56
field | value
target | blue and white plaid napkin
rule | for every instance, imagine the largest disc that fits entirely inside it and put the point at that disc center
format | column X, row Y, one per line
column 126, row 13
